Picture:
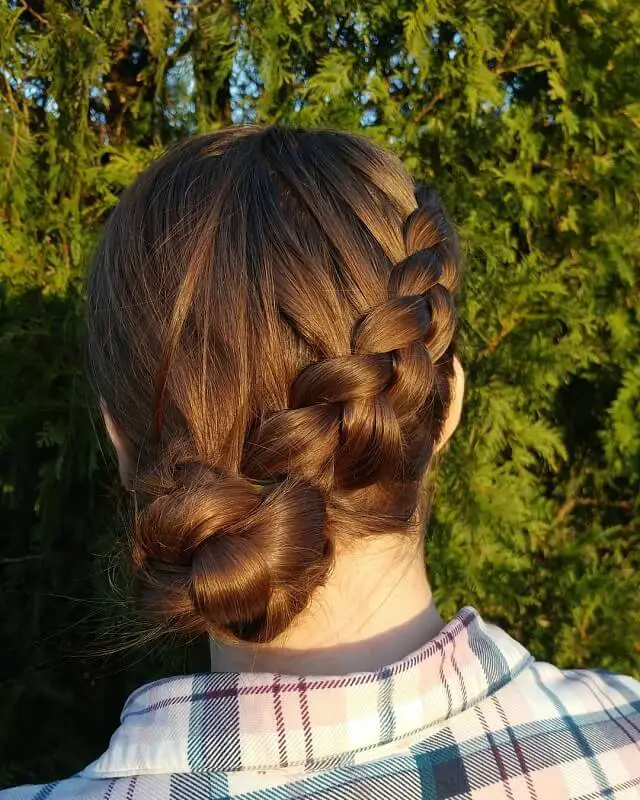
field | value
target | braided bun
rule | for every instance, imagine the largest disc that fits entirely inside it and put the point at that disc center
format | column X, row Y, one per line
column 271, row 327
column 213, row 552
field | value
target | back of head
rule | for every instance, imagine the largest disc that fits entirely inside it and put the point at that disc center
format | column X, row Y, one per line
column 271, row 326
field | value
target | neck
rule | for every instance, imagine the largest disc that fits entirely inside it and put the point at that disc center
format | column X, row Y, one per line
column 376, row 608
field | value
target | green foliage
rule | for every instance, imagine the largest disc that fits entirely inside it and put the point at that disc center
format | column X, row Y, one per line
column 526, row 116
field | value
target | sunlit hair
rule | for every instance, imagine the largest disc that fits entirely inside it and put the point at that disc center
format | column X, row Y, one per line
column 271, row 324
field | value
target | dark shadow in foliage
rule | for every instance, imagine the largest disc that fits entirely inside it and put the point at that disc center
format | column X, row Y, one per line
column 58, row 525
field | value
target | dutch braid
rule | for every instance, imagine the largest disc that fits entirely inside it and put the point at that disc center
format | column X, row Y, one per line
column 357, row 419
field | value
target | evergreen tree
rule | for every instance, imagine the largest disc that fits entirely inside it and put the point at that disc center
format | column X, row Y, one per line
column 526, row 115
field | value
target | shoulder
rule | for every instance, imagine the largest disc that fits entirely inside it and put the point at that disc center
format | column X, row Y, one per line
column 551, row 698
column 578, row 691
column 583, row 721
column 546, row 732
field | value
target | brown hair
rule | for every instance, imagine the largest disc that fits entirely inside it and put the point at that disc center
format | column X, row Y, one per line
column 271, row 325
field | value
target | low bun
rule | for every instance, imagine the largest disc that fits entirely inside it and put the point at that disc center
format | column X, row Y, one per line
column 216, row 553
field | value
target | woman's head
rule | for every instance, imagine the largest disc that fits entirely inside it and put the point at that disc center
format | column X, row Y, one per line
column 271, row 324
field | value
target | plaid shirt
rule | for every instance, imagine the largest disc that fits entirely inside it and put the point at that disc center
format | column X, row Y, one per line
column 469, row 715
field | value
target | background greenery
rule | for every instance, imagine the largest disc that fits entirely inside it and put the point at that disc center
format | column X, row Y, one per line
column 526, row 114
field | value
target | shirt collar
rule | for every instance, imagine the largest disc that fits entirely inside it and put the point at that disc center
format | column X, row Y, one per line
column 230, row 722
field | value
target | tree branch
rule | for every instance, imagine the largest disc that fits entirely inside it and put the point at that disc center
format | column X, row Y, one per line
column 506, row 329
column 572, row 502
column 541, row 62
column 34, row 14
column 624, row 113
column 21, row 559
column 511, row 36
column 429, row 107
column 16, row 129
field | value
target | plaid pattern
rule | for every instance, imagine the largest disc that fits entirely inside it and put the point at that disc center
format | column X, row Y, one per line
column 469, row 715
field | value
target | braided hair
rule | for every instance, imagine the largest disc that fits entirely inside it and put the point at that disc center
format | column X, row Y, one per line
column 271, row 326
